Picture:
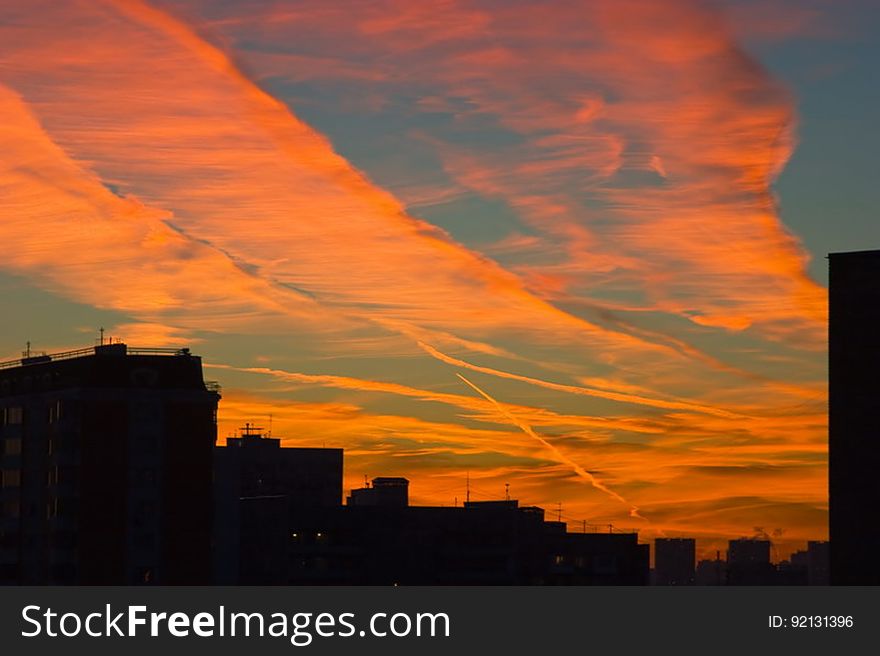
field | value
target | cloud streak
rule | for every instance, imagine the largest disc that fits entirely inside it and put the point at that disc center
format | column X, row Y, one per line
column 557, row 454
column 596, row 219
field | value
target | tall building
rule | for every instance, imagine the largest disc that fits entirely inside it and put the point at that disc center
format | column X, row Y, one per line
column 674, row 561
column 813, row 562
column 817, row 562
column 105, row 455
column 257, row 483
column 854, row 417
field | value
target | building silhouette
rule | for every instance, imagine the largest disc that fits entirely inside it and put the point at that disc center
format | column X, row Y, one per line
column 106, row 467
column 748, row 562
column 674, row 561
column 711, row 572
column 386, row 542
column 256, row 484
column 110, row 475
column 818, row 562
column 854, row 417
column 807, row 567
column 385, row 491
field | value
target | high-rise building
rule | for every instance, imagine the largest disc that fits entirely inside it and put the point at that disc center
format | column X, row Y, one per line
column 257, row 484
column 854, row 417
column 674, row 561
column 817, row 562
column 106, row 455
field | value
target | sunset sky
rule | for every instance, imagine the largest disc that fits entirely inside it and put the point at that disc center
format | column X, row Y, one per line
column 576, row 247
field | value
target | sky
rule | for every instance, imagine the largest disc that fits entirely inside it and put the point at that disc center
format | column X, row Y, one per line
column 573, row 247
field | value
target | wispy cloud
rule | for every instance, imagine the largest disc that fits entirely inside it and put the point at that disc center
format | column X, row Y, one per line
column 599, row 231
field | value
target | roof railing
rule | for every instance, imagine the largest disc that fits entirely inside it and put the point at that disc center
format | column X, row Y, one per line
column 85, row 352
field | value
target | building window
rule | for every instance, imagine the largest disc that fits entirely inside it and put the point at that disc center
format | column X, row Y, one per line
column 55, row 412
column 10, row 478
column 11, row 446
column 13, row 416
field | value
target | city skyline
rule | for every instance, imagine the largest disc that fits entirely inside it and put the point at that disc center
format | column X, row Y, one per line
column 110, row 474
column 579, row 250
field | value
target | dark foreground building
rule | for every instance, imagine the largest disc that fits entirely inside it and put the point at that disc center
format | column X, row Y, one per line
column 854, row 417
column 106, row 456
column 748, row 562
column 674, row 561
column 379, row 540
column 257, row 482
column 813, row 562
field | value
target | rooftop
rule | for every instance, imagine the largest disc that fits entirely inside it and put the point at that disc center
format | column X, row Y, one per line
column 853, row 254
column 104, row 365
column 116, row 349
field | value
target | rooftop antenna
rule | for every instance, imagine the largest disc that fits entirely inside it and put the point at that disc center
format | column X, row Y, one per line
column 468, row 497
column 270, row 426
column 507, row 491
column 559, row 511
column 101, row 330
column 250, row 430
column 27, row 352
column 585, row 526
column 366, row 481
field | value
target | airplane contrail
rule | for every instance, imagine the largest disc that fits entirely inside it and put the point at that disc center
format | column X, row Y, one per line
column 585, row 391
column 561, row 457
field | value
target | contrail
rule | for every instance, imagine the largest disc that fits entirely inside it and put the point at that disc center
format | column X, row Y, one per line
column 584, row 391
column 561, row 457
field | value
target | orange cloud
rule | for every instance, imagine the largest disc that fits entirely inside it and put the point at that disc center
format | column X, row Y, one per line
column 629, row 149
